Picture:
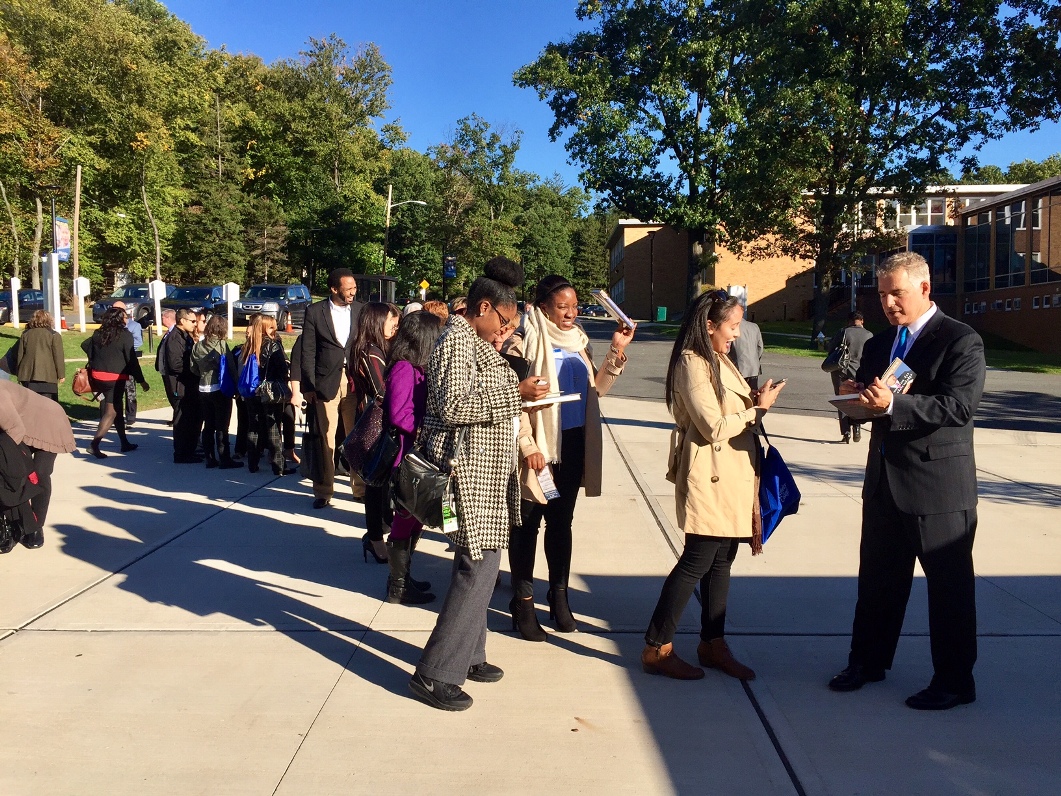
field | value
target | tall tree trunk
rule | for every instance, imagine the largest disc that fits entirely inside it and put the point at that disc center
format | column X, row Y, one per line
column 38, row 231
column 825, row 271
column 14, row 230
column 154, row 226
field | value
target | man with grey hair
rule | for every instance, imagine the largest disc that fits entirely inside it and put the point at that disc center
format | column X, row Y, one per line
column 919, row 496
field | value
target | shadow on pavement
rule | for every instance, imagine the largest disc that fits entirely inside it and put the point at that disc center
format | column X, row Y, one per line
column 1020, row 411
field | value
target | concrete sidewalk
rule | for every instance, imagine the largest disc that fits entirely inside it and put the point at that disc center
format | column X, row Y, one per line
column 193, row 631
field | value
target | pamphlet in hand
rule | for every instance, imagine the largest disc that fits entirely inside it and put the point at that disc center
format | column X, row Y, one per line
column 897, row 378
column 545, row 481
column 553, row 398
column 612, row 308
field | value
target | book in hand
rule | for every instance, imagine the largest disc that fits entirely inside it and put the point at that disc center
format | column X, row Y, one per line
column 612, row 308
column 897, row 378
column 553, row 398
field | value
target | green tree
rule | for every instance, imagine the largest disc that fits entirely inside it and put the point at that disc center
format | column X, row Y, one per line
column 655, row 103
column 1024, row 171
column 589, row 262
column 547, row 222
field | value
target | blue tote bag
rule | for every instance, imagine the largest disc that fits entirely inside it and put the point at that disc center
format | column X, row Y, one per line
column 778, row 494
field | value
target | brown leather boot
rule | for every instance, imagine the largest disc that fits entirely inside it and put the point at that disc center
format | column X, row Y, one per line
column 715, row 654
column 663, row 660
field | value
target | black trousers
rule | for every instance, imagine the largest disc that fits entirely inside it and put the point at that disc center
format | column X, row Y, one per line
column 240, row 448
column 217, row 412
column 377, row 510
column 705, row 560
column 187, row 423
column 43, row 464
column 845, row 421
column 558, row 514
column 263, row 432
column 943, row 543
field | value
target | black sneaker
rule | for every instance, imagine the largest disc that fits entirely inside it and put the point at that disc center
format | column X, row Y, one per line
column 485, row 673
column 444, row 696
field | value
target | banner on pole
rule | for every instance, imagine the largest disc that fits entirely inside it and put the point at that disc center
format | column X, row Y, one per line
column 62, row 238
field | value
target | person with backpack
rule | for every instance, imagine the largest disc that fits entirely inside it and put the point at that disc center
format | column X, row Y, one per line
column 262, row 360
column 213, row 363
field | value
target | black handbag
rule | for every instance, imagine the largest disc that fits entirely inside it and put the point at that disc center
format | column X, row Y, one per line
column 363, row 438
column 378, row 465
column 273, row 393
column 421, row 488
column 837, row 358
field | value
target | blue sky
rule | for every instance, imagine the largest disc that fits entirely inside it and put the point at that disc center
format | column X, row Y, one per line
column 450, row 59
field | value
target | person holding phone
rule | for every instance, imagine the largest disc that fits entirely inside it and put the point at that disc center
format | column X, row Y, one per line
column 714, row 466
column 565, row 437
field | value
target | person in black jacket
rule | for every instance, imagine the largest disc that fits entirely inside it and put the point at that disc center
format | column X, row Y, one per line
column 328, row 334
column 264, row 419
column 112, row 360
column 855, row 334
column 176, row 364
column 919, row 497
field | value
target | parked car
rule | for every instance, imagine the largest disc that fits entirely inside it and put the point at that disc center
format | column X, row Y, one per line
column 29, row 301
column 195, row 297
column 137, row 299
column 283, row 302
column 594, row 311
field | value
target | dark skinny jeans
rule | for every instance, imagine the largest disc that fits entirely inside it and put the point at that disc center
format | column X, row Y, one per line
column 558, row 514
column 706, row 559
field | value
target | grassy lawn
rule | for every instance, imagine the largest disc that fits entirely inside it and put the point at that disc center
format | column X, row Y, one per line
column 80, row 409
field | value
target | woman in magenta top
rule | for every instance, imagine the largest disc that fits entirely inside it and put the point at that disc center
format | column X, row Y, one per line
column 404, row 407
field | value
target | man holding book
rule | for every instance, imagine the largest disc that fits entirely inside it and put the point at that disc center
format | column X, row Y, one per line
column 919, row 496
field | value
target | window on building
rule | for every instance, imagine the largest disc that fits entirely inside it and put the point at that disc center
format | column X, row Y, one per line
column 977, row 252
column 1009, row 262
column 618, row 291
column 617, row 253
column 1045, row 262
column 1037, row 206
column 940, row 250
column 1015, row 215
column 937, row 211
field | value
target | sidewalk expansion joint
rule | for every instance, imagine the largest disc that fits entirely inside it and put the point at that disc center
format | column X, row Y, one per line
column 669, row 536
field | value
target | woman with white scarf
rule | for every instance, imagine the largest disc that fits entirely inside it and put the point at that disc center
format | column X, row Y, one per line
column 563, row 437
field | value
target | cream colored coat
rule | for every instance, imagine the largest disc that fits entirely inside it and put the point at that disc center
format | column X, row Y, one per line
column 592, row 477
column 713, row 451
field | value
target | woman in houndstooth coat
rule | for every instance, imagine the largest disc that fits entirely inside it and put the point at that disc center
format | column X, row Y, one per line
column 470, row 386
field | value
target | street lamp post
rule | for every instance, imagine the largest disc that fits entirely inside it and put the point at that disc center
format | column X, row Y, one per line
column 387, row 229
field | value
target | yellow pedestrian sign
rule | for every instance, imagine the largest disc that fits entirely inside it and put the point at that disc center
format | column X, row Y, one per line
column 424, row 285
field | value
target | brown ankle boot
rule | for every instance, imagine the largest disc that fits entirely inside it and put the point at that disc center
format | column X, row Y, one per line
column 715, row 654
column 663, row 660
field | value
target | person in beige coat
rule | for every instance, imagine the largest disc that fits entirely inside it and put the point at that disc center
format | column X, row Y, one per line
column 714, row 467
column 562, row 441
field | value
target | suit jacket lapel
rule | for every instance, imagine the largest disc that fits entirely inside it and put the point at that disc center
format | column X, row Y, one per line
column 328, row 320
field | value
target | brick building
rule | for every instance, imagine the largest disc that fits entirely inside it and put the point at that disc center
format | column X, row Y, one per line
column 647, row 262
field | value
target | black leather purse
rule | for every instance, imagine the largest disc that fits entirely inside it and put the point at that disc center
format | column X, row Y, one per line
column 837, row 358
column 377, row 466
column 420, row 487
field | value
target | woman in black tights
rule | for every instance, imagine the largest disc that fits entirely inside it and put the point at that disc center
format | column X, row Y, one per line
column 111, row 361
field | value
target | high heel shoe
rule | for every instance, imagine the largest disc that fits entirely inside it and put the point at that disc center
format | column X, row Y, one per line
column 560, row 611
column 525, row 620
column 367, row 549
column 129, row 447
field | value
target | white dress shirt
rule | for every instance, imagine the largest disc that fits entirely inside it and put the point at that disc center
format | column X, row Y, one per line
column 912, row 332
column 340, row 321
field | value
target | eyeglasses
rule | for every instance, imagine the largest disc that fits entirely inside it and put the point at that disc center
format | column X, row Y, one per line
column 505, row 322
column 718, row 295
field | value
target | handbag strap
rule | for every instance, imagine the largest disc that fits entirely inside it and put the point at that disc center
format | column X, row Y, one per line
column 452, row 462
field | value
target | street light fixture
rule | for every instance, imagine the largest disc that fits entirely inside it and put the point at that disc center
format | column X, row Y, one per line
column 387, row 231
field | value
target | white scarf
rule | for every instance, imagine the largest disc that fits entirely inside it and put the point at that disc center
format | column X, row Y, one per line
column 540, row 337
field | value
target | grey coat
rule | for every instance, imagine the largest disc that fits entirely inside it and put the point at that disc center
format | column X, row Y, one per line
column 470, row 384
column 747, row 350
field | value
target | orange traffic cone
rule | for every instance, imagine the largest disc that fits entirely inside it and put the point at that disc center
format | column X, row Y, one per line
column 290, row 328
column 63, row 323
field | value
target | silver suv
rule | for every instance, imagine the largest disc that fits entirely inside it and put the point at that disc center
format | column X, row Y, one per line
column 283, row 302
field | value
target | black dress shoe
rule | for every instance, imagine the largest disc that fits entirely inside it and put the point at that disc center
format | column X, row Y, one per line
column 321, row 503
column 935, row 699
column 485, row 673
column 444, row 696
column 854, row 677
column 188, row 459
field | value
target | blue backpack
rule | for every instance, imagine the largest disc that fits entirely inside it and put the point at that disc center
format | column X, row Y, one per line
column 249, row 378
column 225, row 376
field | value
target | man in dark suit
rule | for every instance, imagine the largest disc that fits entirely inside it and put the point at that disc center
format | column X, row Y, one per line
column 919, row 496
column 183, row 386
column 327, row 352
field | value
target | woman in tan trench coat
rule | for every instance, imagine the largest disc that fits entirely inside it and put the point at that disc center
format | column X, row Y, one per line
column 713, row 466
